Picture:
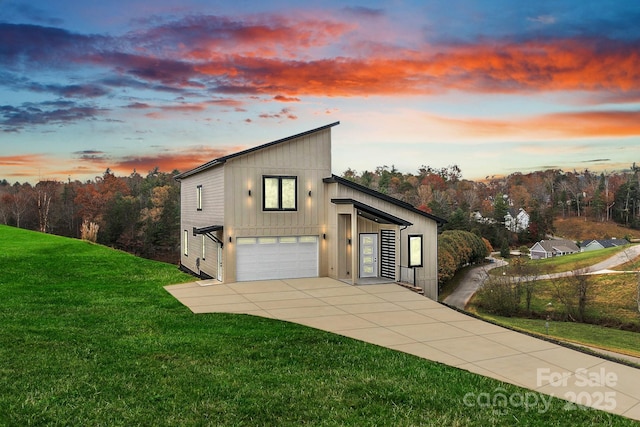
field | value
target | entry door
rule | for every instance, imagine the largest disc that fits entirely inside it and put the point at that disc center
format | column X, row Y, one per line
column 219, row 274
column 369, row 255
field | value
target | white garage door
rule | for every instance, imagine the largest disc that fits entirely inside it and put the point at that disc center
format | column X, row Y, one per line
column 262, row 258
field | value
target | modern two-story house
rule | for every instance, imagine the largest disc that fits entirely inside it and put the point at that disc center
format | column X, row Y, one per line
column 275, row 211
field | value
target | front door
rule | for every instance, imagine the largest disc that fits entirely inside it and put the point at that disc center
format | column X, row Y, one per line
column 369, row 255
column 219, row 274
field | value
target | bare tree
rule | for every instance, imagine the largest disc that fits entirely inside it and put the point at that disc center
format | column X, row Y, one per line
column 574, row 295
column 21, row 202
column 45, row 192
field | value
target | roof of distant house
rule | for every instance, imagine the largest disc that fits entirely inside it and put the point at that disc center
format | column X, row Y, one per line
column 606, row 243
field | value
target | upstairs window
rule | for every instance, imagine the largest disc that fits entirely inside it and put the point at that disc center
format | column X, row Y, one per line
column 280, row 193
column 199, row 197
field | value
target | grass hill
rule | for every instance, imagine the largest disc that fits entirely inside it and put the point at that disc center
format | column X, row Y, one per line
column 577, row 229
column 90, row 337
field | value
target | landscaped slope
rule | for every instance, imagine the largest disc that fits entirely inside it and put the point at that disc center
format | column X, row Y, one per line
column 90, row 337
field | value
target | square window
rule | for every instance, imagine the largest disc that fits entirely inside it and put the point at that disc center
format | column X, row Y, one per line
column 415, row 251
column 280, row 193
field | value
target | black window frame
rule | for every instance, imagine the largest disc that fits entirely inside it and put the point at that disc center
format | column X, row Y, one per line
column 409, row 237
column 199, row 197
column 279, row 178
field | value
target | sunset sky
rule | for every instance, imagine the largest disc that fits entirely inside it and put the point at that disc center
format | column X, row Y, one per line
column 492, row 86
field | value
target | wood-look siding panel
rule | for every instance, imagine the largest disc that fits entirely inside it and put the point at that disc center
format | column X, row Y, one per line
column 212, row 213
column 427, row 276
column 291, row 158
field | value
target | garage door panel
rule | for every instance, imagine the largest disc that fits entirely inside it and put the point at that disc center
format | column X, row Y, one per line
column 284, row 257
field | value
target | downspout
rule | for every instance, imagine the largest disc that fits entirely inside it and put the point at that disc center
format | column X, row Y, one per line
column 400, row 250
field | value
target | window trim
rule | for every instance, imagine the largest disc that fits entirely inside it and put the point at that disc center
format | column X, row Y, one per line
column 199, row 197
column 410, row 238
column 280, row 178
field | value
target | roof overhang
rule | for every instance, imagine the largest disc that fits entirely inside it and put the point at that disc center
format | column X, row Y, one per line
column 208, row 231
column 378, row 195
column 372, row 213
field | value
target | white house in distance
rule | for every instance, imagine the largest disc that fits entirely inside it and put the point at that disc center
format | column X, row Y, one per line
column 551, row 248
column 275, row 211
column 516, row 222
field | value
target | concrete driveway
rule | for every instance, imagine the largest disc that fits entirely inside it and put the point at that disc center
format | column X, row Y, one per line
column 392, row 316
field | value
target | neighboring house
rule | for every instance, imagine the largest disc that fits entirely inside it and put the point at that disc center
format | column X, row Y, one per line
column 477, row 217
column 594, row 245
column 516, row 221
column 275, row 211
column 552, row 248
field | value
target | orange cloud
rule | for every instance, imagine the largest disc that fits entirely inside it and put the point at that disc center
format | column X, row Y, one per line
column 22, row 160
column 557, row 125
column 558, row 65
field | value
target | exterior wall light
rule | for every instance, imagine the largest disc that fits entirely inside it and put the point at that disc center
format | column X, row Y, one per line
column 324, row 236
column 309, row 193
column 249, row 193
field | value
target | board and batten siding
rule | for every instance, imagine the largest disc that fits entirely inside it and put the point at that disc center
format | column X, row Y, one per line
column 309, row 159
column 212, row 213
column 427, row 275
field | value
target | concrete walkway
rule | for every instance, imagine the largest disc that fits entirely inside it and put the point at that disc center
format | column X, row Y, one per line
column 392, row 316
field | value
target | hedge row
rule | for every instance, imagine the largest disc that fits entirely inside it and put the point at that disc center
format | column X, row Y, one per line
column 456, row 249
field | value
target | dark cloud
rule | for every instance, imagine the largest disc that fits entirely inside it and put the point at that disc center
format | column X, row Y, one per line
column 24, row 46
column 16, row 118
column 362, row 11
column 91, row 155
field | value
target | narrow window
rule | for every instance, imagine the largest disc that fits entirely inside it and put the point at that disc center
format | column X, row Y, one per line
column 280, row 193
column 204, row 247
column 185, row 243
column 415, row 250
column 199, row 197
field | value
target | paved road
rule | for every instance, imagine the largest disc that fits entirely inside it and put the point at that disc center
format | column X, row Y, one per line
column 470, row 283
column 475, row 277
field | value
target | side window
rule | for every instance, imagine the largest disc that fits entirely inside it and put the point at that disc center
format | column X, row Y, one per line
column 280, row 193
column 204, row 247
column 185, row 243
column 199, row 197
column 415, row 250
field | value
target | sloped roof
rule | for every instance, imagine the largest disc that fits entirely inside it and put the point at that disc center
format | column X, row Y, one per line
column 559, row 245
column 377, row 194
column 606, row 243
column 221, row 160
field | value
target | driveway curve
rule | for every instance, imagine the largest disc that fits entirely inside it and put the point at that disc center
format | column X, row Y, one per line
column 475, row 276
column 470, row 282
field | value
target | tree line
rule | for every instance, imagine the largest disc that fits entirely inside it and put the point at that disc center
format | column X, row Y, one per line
column 480, row 206
column 137, row 214
column 141, row 215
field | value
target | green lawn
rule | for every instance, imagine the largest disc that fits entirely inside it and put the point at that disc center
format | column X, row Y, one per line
column 90, row 337
column 564, row 263
column 625, row 342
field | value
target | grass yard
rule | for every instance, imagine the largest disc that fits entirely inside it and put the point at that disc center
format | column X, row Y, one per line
column 90, row 337
column 564, row 263
column 625, row 342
